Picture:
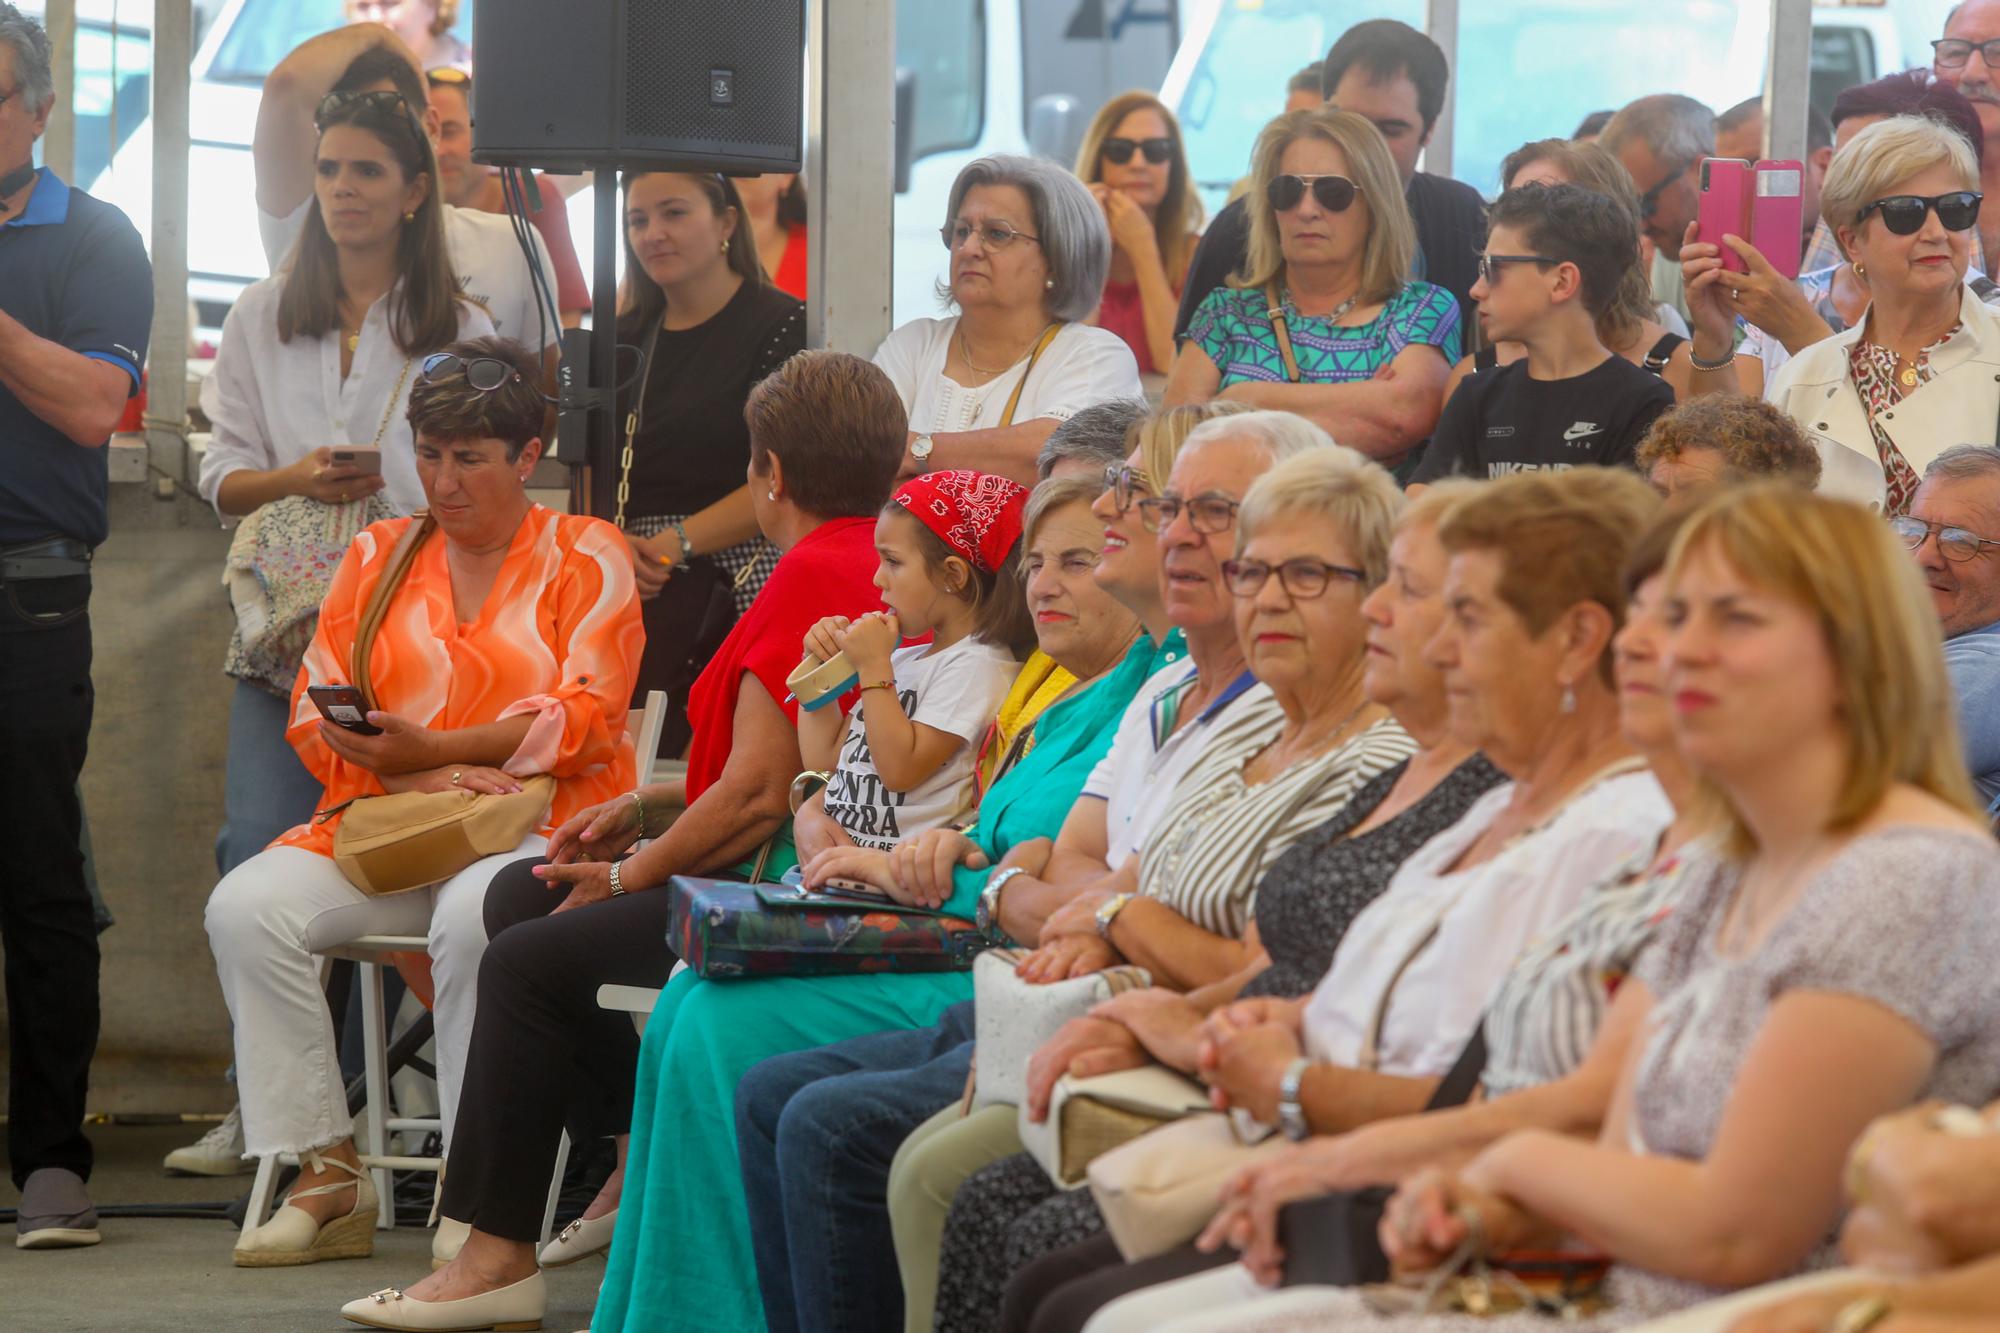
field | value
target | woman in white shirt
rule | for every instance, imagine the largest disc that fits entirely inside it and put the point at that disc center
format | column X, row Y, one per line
column 320, row 358
column 985, row 387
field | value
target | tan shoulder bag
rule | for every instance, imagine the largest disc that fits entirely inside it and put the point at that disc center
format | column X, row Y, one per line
column 390, row 844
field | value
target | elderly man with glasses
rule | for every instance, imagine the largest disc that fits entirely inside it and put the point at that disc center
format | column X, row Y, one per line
column 1968, row 58
column 1951, row 532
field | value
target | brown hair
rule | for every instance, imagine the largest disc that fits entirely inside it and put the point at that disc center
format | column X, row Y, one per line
column 1649, row 553
column 1838, row 561
column 1178, row 224
column 1562, row 539
column 835, row 423
column 999, row 600
column 1754, row 438
column 1593, row 168
column 1392, row 237
column 647, row 304
column 423, row 305
column 449, row 408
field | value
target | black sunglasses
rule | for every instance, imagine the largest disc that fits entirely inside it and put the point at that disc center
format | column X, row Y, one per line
column 381, row 99
column 1490, row 265
column 1649, row 202
column 483, row 373
column 1120, row 151
column 1334, row 193
column 1903, row 214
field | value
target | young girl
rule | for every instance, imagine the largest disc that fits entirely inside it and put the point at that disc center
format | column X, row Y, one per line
column 946, row 542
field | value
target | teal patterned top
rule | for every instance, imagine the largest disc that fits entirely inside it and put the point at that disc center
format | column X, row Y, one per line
column 1233, row 326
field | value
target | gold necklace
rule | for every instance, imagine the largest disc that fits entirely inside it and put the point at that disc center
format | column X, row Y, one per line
column 965, row 350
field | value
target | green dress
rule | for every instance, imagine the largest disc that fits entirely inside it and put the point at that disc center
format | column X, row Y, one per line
column 681, row 1257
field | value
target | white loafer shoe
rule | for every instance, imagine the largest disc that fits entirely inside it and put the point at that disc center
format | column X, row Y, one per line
column 511, row 1309
column 579, row 1240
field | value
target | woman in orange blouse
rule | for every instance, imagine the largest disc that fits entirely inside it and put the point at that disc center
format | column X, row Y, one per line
column 509, row 651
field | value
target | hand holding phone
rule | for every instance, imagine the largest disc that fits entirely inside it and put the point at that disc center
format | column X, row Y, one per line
column 365, row 459
column 1725, row 206
column 344, row 707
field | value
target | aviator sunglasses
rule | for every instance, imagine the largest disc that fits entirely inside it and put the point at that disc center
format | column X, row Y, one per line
column 1334, row 193
column 1903, row 214
column 1119, row 151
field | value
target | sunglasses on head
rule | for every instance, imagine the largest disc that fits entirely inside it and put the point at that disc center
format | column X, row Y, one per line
column 1903, row 214
column 1119, row 151
column 381, row 99
column 483, row 373
column 1334, row 193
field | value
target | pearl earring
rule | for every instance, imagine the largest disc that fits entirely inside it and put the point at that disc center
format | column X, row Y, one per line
column 1049, row 285
column 725, row 245
column 1568, row 703
column 771, row 495
column 1860, row 270
column 410, row 216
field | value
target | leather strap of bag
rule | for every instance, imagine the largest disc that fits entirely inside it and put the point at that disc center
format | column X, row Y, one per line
column 401, row 557
column 1275, row 308
column 1014, row 399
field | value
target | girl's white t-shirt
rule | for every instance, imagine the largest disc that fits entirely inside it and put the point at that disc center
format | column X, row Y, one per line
column 958, row 690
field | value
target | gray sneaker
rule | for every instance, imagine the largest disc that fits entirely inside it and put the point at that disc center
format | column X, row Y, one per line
column 216, row 1153
column 55, row 1213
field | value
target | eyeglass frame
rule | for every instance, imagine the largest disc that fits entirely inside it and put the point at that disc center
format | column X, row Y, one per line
column 1284, row 569
column 1309, row 185
column 433, row 370
column 1488, row 265
column 1152, row 507
column 944, row 234
column 1930, row 203
column 1140, row 147
column 1123, row 481
column 1985, row 49
column 1649, row 202
column 1938, row 530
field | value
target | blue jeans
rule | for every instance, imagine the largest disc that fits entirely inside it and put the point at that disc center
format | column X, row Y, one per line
column 816, row 1131
column 265, row 789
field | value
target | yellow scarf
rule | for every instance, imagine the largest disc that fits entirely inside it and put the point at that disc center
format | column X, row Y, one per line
column 1040, row 683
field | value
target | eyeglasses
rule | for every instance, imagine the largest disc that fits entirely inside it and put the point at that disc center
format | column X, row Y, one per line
column 992, row 235
column 1490, row 265
column 1302, row 579
column 1903, row 214
column 483, row 373
column 1124, row 482
column 381, row 99
column 1953, row 52
column 1955, row 544
column 1207, row 514
column 1334, row 193
column 1119, row 151
column 1649, row 202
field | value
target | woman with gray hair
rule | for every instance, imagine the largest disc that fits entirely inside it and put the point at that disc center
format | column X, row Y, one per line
column 1324, row 319
column 1921, row 369
column 985, row 387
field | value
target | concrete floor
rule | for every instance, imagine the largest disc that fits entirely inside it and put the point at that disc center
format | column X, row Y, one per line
column 156, row 1276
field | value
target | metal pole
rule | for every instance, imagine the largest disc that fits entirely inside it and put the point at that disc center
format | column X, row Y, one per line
column 850, row 173
column 1788, row 80
column 59, row 143
column 601, row 456
column 1441, row 22
column 166, row 379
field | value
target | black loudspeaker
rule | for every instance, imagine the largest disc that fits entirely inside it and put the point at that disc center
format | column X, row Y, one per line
column 702, row 85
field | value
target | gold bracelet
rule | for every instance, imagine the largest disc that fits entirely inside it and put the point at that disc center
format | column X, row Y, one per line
column 634, row 794
column 1857, row 1316
column 880, row 685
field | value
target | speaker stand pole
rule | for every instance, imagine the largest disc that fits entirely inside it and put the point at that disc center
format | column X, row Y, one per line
column 601, row 456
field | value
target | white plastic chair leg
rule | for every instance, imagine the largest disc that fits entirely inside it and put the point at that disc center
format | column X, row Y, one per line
column 262, row 1190
column 555, row 1190
column 375, row 1064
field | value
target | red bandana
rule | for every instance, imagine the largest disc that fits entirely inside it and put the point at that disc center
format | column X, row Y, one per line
column 976, row 514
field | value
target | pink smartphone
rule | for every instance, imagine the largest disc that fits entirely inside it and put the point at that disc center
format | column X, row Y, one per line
column 1776, row 215
column 1725, row 206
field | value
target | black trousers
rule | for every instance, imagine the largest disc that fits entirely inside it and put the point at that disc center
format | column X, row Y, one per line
column 543, row 1055
column 47, row 929
column 1059, row 1292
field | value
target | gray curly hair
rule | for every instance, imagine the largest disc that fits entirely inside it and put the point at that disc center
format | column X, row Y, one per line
column 32, row 80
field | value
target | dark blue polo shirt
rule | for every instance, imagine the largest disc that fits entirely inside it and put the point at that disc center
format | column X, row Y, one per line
column 72, row 271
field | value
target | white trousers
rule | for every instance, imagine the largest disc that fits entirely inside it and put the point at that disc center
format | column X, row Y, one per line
column 268, row 918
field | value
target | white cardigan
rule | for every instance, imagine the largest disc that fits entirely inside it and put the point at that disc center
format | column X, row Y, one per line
column 1961, row 405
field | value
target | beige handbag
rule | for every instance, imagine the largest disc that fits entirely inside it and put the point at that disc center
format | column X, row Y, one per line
column 1161, row 1189
column 390, row 844
column 1088, row 1117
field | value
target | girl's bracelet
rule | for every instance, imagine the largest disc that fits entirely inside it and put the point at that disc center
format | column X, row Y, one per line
column 880, row 685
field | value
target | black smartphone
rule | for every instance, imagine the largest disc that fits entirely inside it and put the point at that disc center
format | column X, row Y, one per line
column 343, row 706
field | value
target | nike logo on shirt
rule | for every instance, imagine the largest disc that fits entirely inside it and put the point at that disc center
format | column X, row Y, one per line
column 1582, row 430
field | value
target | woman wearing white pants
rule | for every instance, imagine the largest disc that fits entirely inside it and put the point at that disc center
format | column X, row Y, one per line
column 507, row 651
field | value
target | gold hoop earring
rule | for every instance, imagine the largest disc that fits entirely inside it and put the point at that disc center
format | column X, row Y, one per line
column 1860, row 269
column 725, row 245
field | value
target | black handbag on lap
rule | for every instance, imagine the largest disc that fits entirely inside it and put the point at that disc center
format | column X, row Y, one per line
column 1333, row 1241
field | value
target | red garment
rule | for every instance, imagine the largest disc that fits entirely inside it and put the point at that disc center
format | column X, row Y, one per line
column 1121, row 313
column 976, row 514
column 572, row 288
column 831, row 572
column 791, row 275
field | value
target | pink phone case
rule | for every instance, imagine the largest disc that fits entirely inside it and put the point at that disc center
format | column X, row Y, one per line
column 1725, row 206
column 1776, row 216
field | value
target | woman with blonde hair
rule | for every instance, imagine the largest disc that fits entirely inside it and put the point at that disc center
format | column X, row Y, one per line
column 1633, row 326
column 1136, row 166
column 1827, row 962
column 1920, row 370
column 1324, row 304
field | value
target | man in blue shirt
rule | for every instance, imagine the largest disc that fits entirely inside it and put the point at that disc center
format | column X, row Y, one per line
column 76, row 303
column 1953, row 530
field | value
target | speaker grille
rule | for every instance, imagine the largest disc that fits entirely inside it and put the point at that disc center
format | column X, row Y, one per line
column 668, row 64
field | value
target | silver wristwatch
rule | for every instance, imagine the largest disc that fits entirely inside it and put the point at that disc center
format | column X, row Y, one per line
column 1108, row 913
column 987, row 915
column 920, row 448
column 1291, row 1115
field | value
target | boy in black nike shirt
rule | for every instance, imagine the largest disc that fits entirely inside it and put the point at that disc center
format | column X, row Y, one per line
column 1555, row 255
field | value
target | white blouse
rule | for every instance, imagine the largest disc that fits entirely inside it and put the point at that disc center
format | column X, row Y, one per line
column 1482, row 918
column 1082, row 366
column 272, row 402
